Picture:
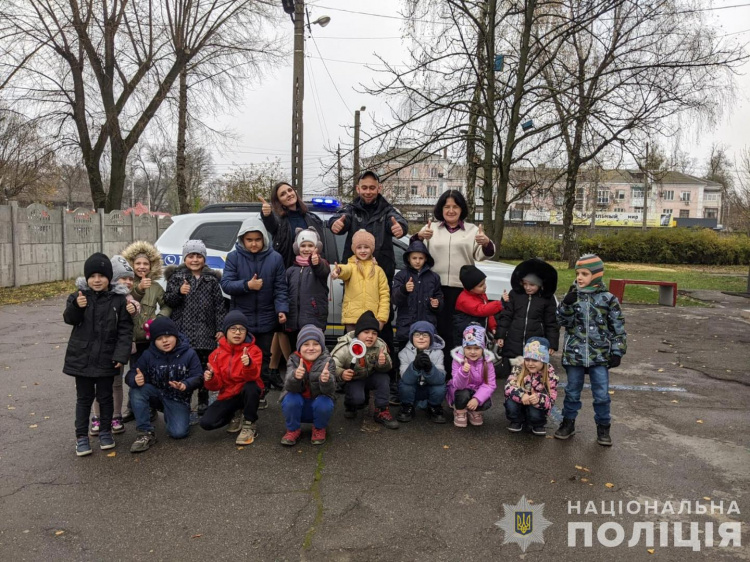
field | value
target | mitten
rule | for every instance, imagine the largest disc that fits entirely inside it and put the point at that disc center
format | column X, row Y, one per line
column 614, row 361
column 422, row 362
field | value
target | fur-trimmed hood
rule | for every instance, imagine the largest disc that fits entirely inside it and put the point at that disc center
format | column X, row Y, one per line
column 545, row 271
column 154, row 257
column 116, row 288
column 172, row 269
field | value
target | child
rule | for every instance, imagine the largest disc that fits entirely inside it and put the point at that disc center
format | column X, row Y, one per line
column 473, row 379
column 366, row 373
column 416, row 292
column 365, row 283
column 165, row 375
column 255, row 278
column 234, row 370
column 595, row 341
column 309, row 387
column 98, row 346
column 529, row 310
column 531, row 389
column 472, row 305
column 307, row 279
column 194, row 295
column 422, row 372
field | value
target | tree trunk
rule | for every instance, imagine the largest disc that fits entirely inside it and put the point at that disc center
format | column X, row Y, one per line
column 180, row 160
column 117, row 176
column 471, row 135
column 489, row 119
column 569, row 244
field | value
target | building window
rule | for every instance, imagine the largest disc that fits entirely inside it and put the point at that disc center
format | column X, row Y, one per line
column 685, row 196
column 414, row 190
column 414, row 173
column 636, row 192
column 620, row 194
column 668, row 195
column 712, row 196
column 666, row 211
column 711, row 213
column 433, row 172
column 619, row 210
column 431, row 190
column 637, row 209
column 580, row 198
column 684, row 213
column 602, row 197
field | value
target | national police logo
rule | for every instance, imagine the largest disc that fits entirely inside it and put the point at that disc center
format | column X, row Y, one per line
column 523, row 523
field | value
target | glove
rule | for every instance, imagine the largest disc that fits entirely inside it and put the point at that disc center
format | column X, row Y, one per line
column 571, row 298
column 614, row 361
column 422, row 362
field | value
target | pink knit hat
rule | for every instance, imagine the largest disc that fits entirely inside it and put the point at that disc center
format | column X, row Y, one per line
column 363, row 237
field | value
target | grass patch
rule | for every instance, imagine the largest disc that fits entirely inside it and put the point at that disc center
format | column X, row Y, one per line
column 40, row 291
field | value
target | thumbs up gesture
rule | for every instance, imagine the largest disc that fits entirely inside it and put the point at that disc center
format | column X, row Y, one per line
column 144, row 282
column 266, row 208
column 185, row 288
column 434, row 303
column 426, row 233
column 396, row 228
column 336, row 270
column 208, row 374
column 245, row 357
column 315, row 258
column 255, row 284
column 325, row 376
column 140, row 380
column 299, row 372
column 81, row 301
column 338, row 225
column 466, row 366
column 130, row 307
column 506, row 296
column 534, row 398
column 381, row 357
column 410, row 285
column 481, row 237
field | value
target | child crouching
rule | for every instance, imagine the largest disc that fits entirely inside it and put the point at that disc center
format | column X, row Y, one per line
column 422, row 372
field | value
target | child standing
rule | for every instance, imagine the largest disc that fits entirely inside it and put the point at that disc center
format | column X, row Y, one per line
column 194, row 295
column 165, row 375
column 369, row 372
column 234, row 370
column 422, row 372
column 307, row 279
column 473, row 382
column 472, row 305
column 529, row 311
column 99, row 345
column 595, row 341
column 365, row 283
column 309, row 387
column 531, row 389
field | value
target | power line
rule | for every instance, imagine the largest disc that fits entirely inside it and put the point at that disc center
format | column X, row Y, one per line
column 329, row 75
column 316, row 103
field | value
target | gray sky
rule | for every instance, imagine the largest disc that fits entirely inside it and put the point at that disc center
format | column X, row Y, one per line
column 340, row 54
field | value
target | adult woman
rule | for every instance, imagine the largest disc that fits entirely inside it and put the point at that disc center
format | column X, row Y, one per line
column 453, row 243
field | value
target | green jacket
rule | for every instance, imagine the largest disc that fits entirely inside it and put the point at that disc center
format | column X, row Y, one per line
column 364, row 367
column 152, row 298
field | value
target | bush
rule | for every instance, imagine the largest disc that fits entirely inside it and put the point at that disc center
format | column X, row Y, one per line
column 520, row 246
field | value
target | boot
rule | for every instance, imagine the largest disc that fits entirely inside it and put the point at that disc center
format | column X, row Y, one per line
column 406, row 414
column 566, row 429
column 602, row 435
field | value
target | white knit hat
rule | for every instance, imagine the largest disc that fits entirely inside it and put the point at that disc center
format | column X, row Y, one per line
column 193, row 247
column 307, row 235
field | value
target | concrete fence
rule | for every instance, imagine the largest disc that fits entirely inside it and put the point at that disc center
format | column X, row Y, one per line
column 38, row 245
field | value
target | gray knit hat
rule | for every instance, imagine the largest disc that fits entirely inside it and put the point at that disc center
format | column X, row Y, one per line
column 121, row 268
column 311, row 332
column 193, row 247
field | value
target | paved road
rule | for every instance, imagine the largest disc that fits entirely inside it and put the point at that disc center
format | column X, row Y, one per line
column 424, row 492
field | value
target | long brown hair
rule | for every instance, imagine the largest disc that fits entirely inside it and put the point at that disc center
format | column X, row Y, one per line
column 278, row 208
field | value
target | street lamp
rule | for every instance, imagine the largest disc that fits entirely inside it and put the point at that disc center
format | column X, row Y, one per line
column 356, row 145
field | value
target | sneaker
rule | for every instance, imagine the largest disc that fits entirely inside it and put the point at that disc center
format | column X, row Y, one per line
column 436, row 414
column 291, row 437
column 602, row 435
column 384, row 417
column 476, row 418
column 539, row 430
column 350, row 412
column 128, row 415
column 236, row 424
column 106, row 441
column 94, row 426
column 117, row 425
column 459, row 418
column 262, row 403
column 406, row 414
column 201, row 409
column 83, row 447
column 248, row 434
column 318, row 436
column 515, row 427
column 143, row 442
column 566, row 429
column 194, row 419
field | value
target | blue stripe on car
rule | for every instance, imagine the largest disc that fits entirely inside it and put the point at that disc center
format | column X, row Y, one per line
column 214, row 262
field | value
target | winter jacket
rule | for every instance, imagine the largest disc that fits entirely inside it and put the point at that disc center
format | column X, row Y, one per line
column 454, row 250
column 151, row 299
column 364, row 366
column 415, row 306
column 308, row 295
column 471, row 307
column 310, row 384
column 435, row 352
column 198, row 314
column 474, row 379
column 102, row 331
column 375, row 218
column 364, row 292
column 283, row 237
column 546, row 399
column 230, row 375
column 594, row 328
column 261, row 307
column 159, row 368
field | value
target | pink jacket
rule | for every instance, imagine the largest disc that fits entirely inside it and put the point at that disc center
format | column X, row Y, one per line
column 474, row 379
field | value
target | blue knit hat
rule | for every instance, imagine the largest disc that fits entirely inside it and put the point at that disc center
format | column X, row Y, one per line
column 537, row 349
column 422, row 326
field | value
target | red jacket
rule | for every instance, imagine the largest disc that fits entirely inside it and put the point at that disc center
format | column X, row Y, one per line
column 230, row 375
column 479, row 305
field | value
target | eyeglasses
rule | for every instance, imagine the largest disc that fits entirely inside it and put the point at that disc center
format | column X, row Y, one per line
column 237, row 329
column 421, row 334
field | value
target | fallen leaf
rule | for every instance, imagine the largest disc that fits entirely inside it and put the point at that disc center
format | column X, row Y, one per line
column 548, row 437
column 240, row 448
column 196, row 536
column 585, row 469
column 611, row 392
column 36, row 384
column 609, row 485
column 446, row 446
column 675, row 401
column 33, row 426
column 706, row 498
column 551, row 481
column 32, row 413
column 46, row 417
column 112, row 454
column 25, row 530
column 650, row 550
column 584, row 479
column 579, row 467
column 11, row 407
column 530, row 501
column 58, row 533
column 24, row 386
column 698, row 421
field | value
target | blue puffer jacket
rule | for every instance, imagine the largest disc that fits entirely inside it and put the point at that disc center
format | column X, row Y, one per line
column 415, row 306
column 260, row 307
column 308, row 295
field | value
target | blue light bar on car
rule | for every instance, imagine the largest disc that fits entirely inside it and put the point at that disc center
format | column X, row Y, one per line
column 325, row 202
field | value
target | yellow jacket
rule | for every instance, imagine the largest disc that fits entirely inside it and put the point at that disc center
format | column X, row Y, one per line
column 362, row 292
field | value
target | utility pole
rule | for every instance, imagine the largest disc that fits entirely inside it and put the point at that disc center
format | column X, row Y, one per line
column 298, row 88
column 645, row 192
column 356, row 148
column 340, row 184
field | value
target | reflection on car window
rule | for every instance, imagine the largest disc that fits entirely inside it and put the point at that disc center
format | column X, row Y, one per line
column 399, row 250
column 217, row 235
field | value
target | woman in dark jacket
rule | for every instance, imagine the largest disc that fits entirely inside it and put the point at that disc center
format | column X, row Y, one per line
column 529, row 311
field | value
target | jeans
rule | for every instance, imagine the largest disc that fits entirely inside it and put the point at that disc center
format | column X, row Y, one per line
column 355, row 390
column 433, row 390
column 221, row 412
column 516, row 412
column 298, row 410
column 599, row 377
column 176, row 414
column 461, row 399
column 88, row 388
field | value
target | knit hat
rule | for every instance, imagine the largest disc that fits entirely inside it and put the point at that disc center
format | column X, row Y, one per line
column 471, row 276
column 234, row 318
column 97, row 263
column 474, row 335
column 310, row 332
column 163, row 326
column 533, row 279
column 307, row 235
column 422, row 326
column 594, row 264
column 121, row 268
column 363, row 237
column 366, row 322
column 537, row 349
column 193, row 247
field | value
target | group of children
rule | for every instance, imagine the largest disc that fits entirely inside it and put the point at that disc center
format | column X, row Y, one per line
column 182, row 340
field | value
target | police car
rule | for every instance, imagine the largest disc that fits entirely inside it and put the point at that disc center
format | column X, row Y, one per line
column 217, row 225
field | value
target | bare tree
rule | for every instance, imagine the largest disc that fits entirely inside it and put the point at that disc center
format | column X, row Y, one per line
column 247, row 183
column 719, row 170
